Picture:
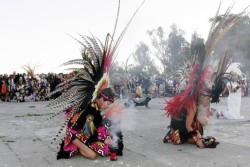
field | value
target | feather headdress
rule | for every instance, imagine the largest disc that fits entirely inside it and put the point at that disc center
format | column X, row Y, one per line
column 30, row 70
column 93, row 75
column 103, row 83
column 235, row 68
column 207, row 75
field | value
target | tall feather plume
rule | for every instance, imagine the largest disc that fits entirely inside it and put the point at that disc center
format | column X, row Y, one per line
column 82, row 85
column 221, row 24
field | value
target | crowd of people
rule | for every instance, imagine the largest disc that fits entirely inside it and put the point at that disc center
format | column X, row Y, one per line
column 162, row 86
column 21, row 87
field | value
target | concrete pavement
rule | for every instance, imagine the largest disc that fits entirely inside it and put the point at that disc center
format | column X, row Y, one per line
column 26, row 134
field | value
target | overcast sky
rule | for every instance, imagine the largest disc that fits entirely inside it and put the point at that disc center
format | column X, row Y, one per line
column 37, row 32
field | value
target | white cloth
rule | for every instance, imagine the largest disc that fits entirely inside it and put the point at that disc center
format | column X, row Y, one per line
column 233, row 103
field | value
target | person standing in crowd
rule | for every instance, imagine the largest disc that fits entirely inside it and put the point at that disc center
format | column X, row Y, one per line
column 4, row 91
column 146, row 84
column 158, row 82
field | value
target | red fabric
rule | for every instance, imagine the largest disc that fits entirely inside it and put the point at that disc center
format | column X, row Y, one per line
column 192, row 93
column 4, row 88
column 113, row 156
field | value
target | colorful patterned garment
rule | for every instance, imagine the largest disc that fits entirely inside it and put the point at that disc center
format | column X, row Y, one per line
column 78, row 128
column 179, row 125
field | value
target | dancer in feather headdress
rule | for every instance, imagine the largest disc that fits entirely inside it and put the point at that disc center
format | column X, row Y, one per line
column 234, row 88
column 88, row 97
column 205, row 84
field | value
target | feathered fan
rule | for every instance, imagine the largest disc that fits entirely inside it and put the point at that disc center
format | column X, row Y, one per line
column 96, row 62
column 208, row 74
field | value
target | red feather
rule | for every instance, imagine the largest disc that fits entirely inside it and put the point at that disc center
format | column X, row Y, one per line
column 186, row 99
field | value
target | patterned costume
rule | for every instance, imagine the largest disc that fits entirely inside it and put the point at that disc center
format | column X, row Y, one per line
column 75, row 129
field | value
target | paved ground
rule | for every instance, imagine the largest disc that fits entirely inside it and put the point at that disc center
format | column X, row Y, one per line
column 26, row 134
